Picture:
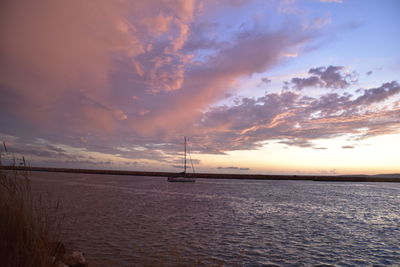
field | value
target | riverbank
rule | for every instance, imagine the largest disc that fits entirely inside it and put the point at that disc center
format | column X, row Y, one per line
column 338, row 178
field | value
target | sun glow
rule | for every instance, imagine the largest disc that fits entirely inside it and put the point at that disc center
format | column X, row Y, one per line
column 329, row 156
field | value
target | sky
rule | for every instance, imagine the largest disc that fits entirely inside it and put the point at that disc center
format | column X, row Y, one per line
column 269, row 87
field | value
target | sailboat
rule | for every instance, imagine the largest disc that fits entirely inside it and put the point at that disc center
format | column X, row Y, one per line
column 182, row 176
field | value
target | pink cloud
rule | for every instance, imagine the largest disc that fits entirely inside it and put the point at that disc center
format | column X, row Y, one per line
column 207, row 81
column 84, row 63
column 56, row 56
column 53, row 50
column 298, row 120
column 123, row 73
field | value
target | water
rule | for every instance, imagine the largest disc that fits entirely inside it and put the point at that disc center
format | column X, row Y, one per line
column 135, row 221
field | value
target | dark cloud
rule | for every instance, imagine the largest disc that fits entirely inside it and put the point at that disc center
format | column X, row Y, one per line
column 265, row 80
column 348, row 147
column 177, row 166
column 196, row 44
column 199, row 38
column 313, row 81
column 300, row 142
column 379, row 94
column 233, row 168
column 324, row 77
column 133, row 163
column 369, row 73
column 38, row 150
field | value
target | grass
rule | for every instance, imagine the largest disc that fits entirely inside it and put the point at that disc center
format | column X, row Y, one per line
column 29, row 223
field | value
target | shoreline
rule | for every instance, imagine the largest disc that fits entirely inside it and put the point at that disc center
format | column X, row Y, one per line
column 338, row 178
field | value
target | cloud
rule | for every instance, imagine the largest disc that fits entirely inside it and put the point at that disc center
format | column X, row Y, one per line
column 233, row 168
column 264, row 81
column 300, row 142
column 49, row 54
column 125, row 80
column 369, row 73
column 348, row 147
column 40, row 152
column 177, row 166
column 122, row 69
column 64, row 69
column 325, row 77
column 376, row 95
column 177, row 109
column 297, row 120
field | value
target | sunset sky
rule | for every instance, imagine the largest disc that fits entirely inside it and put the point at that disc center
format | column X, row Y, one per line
column 279, row 87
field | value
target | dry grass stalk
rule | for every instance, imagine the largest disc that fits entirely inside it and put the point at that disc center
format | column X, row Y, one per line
column 28, row 222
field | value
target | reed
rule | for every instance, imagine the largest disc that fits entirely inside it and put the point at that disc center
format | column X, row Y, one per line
column 28, row 222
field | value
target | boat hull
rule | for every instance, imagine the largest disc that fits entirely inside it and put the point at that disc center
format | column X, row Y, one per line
column 181, row 180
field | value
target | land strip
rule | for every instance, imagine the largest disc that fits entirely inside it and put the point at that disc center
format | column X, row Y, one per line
column 341, row 178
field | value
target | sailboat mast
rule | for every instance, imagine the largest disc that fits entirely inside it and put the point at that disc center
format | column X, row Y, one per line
column 184, row 170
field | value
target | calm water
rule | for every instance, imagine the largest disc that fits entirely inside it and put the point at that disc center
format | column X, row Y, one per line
column 133, row 221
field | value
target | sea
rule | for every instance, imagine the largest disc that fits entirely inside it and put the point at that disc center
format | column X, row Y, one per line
column 147, row 221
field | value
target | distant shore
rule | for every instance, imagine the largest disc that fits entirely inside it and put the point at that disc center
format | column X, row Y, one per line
column 337, row 178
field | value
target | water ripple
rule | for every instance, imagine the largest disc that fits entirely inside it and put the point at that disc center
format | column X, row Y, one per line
column 134, row 221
